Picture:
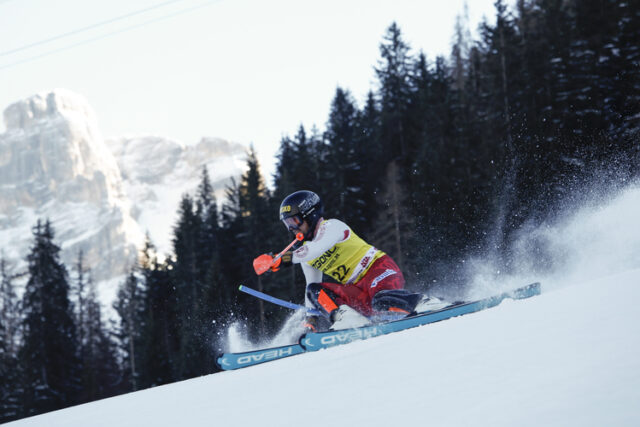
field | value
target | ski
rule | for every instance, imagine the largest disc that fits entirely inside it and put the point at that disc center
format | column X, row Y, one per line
column 230, row 361
column 313, row 341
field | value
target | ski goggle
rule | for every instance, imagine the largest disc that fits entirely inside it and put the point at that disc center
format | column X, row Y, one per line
column 293, row 222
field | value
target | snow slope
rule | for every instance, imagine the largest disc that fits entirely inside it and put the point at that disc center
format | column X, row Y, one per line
column 570, row 356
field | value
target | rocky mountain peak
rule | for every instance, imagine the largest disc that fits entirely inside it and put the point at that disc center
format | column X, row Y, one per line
column 100, row 196
column 27, row 112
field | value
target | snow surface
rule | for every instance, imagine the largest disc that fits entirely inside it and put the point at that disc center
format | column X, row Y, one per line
column 570, row 356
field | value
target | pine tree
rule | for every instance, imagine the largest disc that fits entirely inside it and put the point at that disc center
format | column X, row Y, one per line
column 501, row 110
column 624, row 60
column 367, row 147
column 207, row 212
column 9, row 308
column 101, row 376
column 442, row 176
column 287, row 179
column 232, row 233
column 130, row 306
column 309, row 161
column 344, row 181
column 187, row 276
column 216, row 299
column 161, row 344
column 428, row 141
column 10, row 387
column 203, row 276
column 254, row 212
column 283, row 177
column 78, row 297
column 393, row 73
column 392, row 225
column 99, row 365
column 219, row 304
column 49, row 354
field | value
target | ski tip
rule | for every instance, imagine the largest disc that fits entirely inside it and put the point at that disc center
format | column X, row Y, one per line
column 218, row 362
column 240, row 287
column 536, row 287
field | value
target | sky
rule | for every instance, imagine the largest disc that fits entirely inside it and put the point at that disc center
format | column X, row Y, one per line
column 568, row 357
column 248, row 71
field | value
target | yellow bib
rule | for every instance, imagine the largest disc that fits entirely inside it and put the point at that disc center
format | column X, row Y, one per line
column 347, row 261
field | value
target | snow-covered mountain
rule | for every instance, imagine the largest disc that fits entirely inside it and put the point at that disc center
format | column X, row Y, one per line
column 100, row 197
column 157, row 171
column 569, row 357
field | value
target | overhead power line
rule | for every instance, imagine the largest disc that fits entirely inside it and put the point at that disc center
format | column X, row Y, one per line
column 93, row 39
column 90, row 27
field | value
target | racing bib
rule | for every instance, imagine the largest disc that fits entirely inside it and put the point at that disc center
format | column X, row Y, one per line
column 348, row 260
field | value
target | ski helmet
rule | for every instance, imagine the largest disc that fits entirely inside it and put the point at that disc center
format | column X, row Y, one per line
column 301, row 206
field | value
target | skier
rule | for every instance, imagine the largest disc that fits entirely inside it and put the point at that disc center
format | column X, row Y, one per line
column 368, row 280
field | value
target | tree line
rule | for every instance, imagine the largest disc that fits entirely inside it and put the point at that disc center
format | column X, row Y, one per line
column 445, row 158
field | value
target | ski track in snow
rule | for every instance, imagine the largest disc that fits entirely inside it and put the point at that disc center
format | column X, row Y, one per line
column 570, row 356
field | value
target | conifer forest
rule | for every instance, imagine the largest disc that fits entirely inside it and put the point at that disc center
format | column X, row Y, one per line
column 447, row 158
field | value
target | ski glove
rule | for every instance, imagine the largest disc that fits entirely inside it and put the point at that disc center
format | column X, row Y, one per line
column 265, row 262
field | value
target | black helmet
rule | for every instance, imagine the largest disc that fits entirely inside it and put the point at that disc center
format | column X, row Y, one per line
column 301, row 206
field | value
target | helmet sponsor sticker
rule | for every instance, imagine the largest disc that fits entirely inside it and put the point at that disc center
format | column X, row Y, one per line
column 308, row 203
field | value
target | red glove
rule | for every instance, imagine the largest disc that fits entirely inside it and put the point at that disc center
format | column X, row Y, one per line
column 265, row 262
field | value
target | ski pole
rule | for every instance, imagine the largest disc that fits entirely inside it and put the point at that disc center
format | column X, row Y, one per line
column 265, row 262
column 298, row 238
column 280, row 302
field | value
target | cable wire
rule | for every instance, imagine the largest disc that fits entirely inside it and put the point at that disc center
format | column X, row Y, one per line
column 90, row 27
column 91, row 40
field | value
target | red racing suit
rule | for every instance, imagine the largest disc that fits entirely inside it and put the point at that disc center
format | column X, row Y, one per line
column 360, row 269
